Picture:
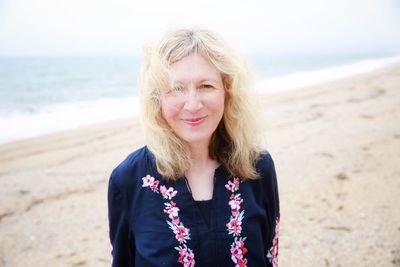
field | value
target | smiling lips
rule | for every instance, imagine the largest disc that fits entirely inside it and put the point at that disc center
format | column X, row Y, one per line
column 195, row 121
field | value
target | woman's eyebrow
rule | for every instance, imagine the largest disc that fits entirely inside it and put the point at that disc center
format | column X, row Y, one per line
column 211, row 80
column 205, row 80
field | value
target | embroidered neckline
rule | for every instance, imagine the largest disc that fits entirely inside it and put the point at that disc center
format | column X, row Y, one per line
column 234, row 226
column 182, row 233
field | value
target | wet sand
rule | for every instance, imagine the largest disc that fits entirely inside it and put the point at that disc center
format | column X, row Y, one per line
column 336, row 148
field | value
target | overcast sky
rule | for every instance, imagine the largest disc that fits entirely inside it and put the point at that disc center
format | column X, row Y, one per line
column 266, row 26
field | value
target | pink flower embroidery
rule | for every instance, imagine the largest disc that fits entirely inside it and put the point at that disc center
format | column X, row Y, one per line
column 168, row 193
column 238, row 250
column 173, row 211
column 149, row 181
column 182, row 234
column 235, row 201
column 234, row 226
column 186, row 256
column 233, row 186
column 272, row 253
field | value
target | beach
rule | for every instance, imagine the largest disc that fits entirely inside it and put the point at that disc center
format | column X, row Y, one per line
column 336, row 148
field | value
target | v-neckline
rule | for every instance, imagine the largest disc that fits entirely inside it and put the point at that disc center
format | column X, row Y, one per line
column 215, row 182
column 215, row 198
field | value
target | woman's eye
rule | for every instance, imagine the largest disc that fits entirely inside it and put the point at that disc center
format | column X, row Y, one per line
column 207, row 86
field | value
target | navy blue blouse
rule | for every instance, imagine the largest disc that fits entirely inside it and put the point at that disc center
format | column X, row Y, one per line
column 158, row 223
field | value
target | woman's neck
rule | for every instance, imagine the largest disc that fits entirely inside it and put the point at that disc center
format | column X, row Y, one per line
column 201, row 159
column 199, row 156
column 200, row 175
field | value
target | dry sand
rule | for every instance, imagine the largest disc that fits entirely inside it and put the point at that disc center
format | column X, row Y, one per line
column 336, row 147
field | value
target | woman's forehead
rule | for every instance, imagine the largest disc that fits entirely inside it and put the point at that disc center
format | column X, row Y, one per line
column 194, row 67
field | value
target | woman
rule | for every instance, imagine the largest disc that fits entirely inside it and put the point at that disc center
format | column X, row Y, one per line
column 201, row 193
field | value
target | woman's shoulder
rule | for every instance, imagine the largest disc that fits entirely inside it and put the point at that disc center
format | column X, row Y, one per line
column 265, row 163
column 133, row 167
column 265, row 167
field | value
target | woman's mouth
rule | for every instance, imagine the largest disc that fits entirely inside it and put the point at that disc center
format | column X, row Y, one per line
column 195, row 121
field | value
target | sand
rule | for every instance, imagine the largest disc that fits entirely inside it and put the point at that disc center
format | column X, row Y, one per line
column 336, row 148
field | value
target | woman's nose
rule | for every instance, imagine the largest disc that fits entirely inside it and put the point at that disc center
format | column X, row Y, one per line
column 193, row 101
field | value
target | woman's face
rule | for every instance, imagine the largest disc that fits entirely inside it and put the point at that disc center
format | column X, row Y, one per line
column 194, row 104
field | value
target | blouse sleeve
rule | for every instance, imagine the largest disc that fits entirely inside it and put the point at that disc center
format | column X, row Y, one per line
column 122, row 245
column 273, row 212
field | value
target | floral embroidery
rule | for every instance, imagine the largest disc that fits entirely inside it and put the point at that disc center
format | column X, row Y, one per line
column 168, row 193
column 272, row 253
column 173, row 211
column 238, row 250
column 233, row 186
column 180, row 231
column 234, row 226
column 182, row 234
column 150, row 181
column 235, row 201
column 186, row 256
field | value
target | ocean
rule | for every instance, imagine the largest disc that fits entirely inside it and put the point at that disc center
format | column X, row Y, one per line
column 40, row 95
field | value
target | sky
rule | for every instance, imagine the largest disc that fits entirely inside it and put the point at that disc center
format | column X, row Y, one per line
column 69, row 27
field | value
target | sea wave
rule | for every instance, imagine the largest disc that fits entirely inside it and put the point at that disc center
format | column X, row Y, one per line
column 299, row 80
column 17, row 126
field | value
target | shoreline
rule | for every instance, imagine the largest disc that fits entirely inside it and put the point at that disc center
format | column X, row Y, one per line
column 73, row 116
column 336, row 151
